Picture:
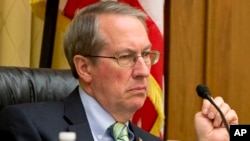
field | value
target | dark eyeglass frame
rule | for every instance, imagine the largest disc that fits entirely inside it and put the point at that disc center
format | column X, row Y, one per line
column 135, row 58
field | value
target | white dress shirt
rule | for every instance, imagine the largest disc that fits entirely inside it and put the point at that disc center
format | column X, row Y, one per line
column 99, row 119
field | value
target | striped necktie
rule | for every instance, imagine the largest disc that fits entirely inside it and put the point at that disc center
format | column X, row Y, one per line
column 119, row 132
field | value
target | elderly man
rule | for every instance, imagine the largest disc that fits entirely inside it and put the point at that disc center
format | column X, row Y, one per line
column 108, row 50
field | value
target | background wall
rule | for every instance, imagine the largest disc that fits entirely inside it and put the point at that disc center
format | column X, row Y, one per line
column 209, row 43
column 15, row 32
column 21, row 35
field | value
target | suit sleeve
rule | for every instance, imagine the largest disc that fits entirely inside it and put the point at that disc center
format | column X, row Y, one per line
column 15, row 125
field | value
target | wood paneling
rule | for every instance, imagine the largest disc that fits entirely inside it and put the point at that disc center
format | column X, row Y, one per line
column 185, row 67
column 228, row 53
column 209, row 43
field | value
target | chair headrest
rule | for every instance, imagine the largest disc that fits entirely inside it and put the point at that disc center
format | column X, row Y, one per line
column 27, row 85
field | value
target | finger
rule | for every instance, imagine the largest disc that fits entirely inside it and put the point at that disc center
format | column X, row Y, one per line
column 205, row 106
column 225, row 108
column 232, row 117
column 212, row 111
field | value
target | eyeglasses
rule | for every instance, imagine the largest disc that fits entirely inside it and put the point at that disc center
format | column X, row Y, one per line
column 129, row 59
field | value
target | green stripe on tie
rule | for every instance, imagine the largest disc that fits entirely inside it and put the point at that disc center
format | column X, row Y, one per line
column 119, row 132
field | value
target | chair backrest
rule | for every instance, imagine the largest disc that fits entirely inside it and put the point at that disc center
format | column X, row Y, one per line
column 27, row 85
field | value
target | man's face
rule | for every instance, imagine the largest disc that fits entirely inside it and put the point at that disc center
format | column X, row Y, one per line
column 121, row 90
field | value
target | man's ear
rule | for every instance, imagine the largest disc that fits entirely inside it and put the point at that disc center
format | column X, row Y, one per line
column 82, row 67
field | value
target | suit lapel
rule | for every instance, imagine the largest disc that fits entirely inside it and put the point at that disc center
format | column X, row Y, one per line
column 76, row 116
column 82, row 132
column 135, row 131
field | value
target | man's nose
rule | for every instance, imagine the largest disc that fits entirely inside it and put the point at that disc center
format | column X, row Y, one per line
column 141, row 69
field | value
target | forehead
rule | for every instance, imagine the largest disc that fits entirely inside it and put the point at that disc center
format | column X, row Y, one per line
column 123, row 32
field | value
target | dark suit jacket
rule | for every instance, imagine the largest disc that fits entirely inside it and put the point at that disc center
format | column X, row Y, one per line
column 43, row 121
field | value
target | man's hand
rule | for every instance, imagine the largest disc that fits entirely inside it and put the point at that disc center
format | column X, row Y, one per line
column 208, row 122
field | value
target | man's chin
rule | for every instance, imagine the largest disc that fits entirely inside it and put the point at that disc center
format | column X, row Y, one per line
column 136, row 105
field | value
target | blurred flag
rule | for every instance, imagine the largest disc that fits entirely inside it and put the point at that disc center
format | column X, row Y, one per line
column 151, row 116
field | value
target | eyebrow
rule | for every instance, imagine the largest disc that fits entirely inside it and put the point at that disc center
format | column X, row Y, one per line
column 148, row 47
column 131, row 50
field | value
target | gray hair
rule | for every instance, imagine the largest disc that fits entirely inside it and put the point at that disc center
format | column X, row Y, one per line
column 82, row 36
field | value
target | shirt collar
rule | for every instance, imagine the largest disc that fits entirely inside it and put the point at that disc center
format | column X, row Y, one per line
column 99, row 119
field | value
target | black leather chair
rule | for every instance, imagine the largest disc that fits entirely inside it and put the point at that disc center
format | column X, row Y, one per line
column 27, row 85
